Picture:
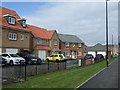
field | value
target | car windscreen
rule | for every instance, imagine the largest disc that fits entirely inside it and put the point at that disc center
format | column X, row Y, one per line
column 14, row 55
column 88, row 57
column 30, row 55
column 61, row 56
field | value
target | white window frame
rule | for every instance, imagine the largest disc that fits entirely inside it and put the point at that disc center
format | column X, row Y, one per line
column 55, row 42
column 79, row 53
column 79, row 45
column 67, row 44
column 73, row 45
column 39, row 41
column 11, row 20
column 21, row 37
column 66, row 53
column 24, row 23
column 12, row 36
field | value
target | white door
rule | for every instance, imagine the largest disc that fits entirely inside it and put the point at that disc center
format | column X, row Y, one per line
column 12, row 51
column 93, row 53
column 0, row 50
column 73, row 54
column 42, row 54
column 103, row 53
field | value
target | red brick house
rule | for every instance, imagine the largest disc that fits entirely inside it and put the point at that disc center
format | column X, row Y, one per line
column 45, row 42
column 71, row 46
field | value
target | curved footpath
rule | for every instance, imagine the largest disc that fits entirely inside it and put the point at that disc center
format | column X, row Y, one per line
column 108, row 78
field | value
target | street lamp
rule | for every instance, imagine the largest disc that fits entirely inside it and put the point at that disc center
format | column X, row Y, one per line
column 106, row 35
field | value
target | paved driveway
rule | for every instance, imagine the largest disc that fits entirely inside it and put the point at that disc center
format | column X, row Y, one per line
column 108, row 78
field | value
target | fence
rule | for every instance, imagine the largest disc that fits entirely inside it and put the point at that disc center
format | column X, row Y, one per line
column 13, row 74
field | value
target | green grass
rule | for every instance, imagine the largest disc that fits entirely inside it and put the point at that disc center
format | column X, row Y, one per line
column 62, row 79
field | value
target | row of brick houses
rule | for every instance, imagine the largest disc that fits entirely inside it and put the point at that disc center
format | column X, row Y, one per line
column 16, row 36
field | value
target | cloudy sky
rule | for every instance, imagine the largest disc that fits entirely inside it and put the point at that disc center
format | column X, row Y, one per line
column 84, row 19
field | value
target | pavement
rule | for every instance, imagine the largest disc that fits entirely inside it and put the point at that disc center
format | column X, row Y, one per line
column 107, row 78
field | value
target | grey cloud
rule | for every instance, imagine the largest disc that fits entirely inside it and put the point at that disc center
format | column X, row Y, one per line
column 87, row 20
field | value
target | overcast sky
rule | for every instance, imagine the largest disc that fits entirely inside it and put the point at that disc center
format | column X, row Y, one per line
column 84, row 19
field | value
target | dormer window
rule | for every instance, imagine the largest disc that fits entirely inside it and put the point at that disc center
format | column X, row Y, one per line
column 22, row 22
column 10, row 19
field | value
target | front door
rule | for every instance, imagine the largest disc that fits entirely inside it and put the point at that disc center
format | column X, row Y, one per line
column 73, row 54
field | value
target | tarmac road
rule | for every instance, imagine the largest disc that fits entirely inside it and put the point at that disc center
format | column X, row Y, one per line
column 108, row 78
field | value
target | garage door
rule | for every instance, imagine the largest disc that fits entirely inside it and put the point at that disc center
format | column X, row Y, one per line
column 0, row 50
column 12, row 51
column 93, row 53
column 42, row 54
column 103, row 53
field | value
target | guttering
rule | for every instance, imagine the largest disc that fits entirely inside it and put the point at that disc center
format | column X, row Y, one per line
column 14, row 29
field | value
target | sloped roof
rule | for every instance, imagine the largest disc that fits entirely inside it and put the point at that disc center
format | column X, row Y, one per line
column 69, row 38
column 4, row 22
column 36, row 31
column 50, row 33
column 97, row 47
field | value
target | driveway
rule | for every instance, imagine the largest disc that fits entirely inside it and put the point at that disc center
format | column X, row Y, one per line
column 108, row 78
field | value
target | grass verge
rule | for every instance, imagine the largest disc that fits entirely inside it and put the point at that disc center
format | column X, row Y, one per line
column 62, row 79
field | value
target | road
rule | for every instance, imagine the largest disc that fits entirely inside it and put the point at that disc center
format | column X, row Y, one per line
column 108, row 78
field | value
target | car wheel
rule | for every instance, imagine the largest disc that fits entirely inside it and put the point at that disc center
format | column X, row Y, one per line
column 39, row 62
column 57, row 60
column 11, row 63
column 47, row 59
column 29, row 62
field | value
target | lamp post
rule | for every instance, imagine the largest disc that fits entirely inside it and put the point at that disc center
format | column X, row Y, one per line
column 106, row 35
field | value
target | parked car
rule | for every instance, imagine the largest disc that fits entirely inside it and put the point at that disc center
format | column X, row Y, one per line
column 56, row 57
column 30, row 58
column 99, row 56
column 13, row 59
column 89, row 58
column 3, row 61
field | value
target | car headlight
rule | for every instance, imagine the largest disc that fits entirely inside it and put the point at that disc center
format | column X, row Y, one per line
column 34, row 59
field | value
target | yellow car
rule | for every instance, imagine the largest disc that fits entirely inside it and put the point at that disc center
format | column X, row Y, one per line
column 56, row 57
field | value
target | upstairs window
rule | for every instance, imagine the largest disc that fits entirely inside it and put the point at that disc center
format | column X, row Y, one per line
column 21, row 37
column 47, row 41
column 12, row 36
column 73, row 45
column 11, row 20
column 67, row 44
column 79, row 45
column 39, row 41
column 24, row 23
column 55, row 42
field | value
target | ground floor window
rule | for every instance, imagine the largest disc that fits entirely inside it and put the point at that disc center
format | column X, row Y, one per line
column 66, row 54
column 79, row 54
column 55, row 52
